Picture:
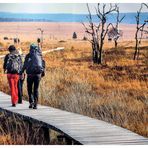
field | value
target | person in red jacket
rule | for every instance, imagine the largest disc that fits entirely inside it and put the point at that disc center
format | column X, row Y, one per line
column 12, row 66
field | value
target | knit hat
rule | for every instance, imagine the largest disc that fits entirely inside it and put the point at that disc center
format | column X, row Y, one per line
column 33, row 46
column 11, row 48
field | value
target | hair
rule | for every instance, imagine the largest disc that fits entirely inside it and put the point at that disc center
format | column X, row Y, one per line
column 11, row 48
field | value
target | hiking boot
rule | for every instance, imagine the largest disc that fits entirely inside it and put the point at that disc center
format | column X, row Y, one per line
column 31, row 105
column 13, row 105
column 35, row 107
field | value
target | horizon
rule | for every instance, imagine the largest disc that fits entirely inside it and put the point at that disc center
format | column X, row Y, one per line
column 65, row 17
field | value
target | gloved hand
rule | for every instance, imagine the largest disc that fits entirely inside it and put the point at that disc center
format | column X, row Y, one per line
column 4, row 71
column 43, row 74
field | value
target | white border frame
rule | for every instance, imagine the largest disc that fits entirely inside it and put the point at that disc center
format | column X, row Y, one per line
column 73, row 1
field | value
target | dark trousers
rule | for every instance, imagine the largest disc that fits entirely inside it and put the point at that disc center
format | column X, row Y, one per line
column 33, row 82
column 20, row 90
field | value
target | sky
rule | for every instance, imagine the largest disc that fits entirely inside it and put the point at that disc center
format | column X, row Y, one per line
column 76, row 8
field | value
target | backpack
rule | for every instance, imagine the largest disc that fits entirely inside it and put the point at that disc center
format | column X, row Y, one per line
column 13, row 64
column 34, row 63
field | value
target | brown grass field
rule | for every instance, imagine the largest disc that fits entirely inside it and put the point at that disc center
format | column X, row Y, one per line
column 116, row 91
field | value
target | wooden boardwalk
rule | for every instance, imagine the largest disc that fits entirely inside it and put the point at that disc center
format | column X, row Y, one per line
column 43, row 52
column 80, row 128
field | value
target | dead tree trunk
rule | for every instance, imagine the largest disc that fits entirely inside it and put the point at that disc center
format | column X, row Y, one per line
column 98, row 32
column 118, row 21
column 103, row 21
column 139, row 29
column 116, row 44
column 95, row 54
column 136, row 45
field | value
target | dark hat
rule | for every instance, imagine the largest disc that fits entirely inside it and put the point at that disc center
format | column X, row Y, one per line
column 11, row 48
column 33, row 47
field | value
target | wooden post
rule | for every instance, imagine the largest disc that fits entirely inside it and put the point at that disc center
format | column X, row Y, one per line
column 46, row 132
column 69, row 141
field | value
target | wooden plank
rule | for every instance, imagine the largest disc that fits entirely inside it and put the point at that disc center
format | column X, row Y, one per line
column 81, row 128
column 44, row 52
column 52, row 50
column 2, row 56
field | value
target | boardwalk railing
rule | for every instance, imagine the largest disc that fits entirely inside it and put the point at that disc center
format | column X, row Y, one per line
column 80, row 129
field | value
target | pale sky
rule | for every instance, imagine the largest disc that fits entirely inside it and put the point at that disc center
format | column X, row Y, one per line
column 77, row 8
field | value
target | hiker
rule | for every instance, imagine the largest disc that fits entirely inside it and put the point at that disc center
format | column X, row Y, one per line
column 20, row 82
column 16, row 40
column 34, row 66
column 12, row 66
column 20, row 88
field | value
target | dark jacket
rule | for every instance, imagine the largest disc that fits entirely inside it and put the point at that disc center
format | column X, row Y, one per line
column 6, row 59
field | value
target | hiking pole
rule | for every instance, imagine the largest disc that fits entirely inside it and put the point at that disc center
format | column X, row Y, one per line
column 41, row 39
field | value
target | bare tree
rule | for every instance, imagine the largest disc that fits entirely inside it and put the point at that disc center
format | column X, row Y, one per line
column 118, row 21
column 98, row 30
column 74, row 36
column 114, row 32
column 139, row 31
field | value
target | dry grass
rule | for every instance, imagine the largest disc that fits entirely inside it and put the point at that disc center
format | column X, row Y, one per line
column 15, row 130
column 116, row 91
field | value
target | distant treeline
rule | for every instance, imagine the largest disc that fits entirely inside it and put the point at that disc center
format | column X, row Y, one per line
column 30, row 17
column 22, row 20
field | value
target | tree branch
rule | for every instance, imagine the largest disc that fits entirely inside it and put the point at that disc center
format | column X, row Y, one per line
column 110, row 24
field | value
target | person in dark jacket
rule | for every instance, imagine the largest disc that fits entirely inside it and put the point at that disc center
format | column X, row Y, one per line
column 20, row 88
column 12, row 66
column 20, row 82
column 34, row 67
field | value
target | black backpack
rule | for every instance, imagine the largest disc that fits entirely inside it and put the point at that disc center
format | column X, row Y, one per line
column 34, row 63
column 13, row 64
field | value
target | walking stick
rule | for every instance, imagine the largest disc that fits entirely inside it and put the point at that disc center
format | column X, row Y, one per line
column 40, row 41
